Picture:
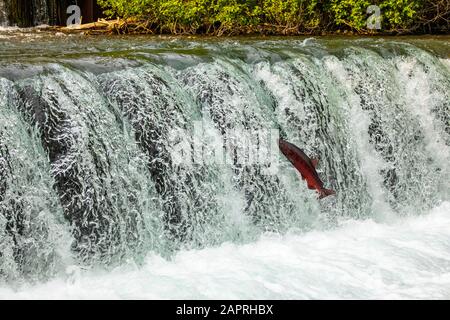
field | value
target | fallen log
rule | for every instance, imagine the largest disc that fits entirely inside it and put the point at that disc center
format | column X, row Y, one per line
column 101, row 25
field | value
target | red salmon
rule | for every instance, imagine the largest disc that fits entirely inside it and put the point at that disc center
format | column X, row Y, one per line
column 306, row 167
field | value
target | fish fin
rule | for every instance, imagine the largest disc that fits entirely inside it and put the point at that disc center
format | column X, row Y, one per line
column 325, row 193
column 303, row 177
column 310, row 187
column 315, row 162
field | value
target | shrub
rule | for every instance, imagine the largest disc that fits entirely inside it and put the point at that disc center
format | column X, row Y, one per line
column 195, row 16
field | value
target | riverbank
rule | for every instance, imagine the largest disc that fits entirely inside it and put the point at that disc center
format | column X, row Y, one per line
column 145, row 27
column 231, row 17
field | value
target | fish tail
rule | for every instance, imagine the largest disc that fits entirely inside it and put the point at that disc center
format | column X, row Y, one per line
column 325, row 193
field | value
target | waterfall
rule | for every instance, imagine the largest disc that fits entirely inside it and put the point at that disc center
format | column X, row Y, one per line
column 27, row 14
column 3, row 14
column 157, row 149
column 33, row 235
column 40, row 12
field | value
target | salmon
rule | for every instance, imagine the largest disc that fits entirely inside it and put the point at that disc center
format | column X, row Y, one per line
column 306, row 167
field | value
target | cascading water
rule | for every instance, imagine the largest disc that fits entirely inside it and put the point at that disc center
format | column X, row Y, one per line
column 109, row 155
column 40, row 12
column 31, row 222
column 28, row 13
column 3, row 14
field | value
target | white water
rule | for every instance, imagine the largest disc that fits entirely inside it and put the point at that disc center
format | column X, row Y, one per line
column 360, row 259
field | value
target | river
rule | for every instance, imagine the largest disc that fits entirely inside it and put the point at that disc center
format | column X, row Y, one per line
column 147, row 167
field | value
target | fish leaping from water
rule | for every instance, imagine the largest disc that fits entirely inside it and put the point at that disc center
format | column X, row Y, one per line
column 306, row 167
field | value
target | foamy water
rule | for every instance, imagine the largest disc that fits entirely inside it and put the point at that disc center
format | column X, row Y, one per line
column 359, row 259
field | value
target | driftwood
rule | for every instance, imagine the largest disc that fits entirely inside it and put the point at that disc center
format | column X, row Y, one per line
column 119, row 26
column 101, row 25
column 90, row 26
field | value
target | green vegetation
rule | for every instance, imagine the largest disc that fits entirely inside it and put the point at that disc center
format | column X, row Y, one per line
column 281, row 16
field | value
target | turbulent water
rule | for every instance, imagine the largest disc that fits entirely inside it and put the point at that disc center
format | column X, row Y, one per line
column 146, row 167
